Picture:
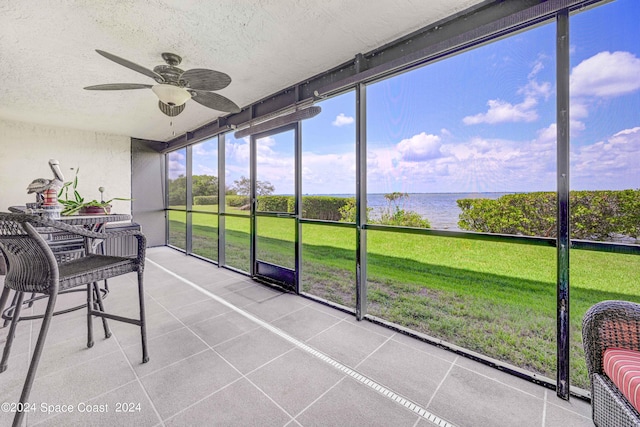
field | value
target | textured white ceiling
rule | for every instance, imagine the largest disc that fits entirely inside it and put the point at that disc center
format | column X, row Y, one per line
column 47, row 52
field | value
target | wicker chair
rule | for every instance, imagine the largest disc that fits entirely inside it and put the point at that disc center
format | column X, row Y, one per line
column 610, row 324
column 32, row 267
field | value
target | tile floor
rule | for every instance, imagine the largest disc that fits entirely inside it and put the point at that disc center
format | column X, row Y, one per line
column 227, row 351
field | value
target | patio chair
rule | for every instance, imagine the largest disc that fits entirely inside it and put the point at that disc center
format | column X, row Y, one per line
column 62, row 254
column 611, row 339
column 32, row 267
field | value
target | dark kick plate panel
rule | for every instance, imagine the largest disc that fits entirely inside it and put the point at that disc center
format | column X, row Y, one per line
column 275, row 273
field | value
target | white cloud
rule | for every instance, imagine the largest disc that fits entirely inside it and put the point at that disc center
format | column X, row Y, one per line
column 538, row 66
column 502, row 111
column 478, row 164
column 177, row 155
column 483, row 164
column 177, row 165
column 176, row 169
column 578, row 109
column 201, row 149
column 610, row 164
column 420, row 147
column 606, row 74
column 328, row 173
column 200, row 169
column 238, row 151
column 342, row 120
column 533, row 89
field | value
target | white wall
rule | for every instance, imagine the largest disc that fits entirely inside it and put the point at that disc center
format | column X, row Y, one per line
column 25, row 149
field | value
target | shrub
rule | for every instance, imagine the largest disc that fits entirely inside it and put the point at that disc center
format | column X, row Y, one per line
column 205, row 200
column 322, row 207
column 396, row 214
column 598, row 215
column 274, row 203
column 237, row 201
column 348, row 211
column 403, row 218
column 629, row 219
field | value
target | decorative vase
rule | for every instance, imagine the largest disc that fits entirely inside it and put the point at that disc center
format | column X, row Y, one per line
column 95, row 210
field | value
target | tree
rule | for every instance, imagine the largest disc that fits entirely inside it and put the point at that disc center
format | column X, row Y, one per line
column 178, row 191
column 242, row 187
column 395, row 215
column 396, row 197
column 204, row 185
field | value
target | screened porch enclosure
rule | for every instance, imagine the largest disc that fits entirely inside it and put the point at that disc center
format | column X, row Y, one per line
column 459, row 207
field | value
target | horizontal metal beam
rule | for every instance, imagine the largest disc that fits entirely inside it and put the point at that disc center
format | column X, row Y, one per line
column 277, row 122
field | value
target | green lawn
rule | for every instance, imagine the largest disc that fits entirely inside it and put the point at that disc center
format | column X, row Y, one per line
column 494, row 298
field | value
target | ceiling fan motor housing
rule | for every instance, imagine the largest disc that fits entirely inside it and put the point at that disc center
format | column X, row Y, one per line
column 170, row 74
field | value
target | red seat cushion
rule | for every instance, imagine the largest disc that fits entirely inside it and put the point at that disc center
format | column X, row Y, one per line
column 623, row 369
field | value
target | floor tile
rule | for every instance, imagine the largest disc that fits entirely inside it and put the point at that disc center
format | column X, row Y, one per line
column 74, row 352
column 468, row 399
column 181, row 297
column 182, row 384
column 157, row 324
column 222, row 328
column 424, row 347
column 97, row 377
column 200, row 310
column 352, row 404
column 253, row 349
column 305, row 323
column 295, row 380
column 251, row 295
column 559, row 412
column 164, row 350
column 126, row 405
column 347, row 343
column 275, row 307
column 406, row 371
column 240, row 404
column 502, row 377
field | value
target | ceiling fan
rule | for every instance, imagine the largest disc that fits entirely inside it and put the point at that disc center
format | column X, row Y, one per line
column 174, row 86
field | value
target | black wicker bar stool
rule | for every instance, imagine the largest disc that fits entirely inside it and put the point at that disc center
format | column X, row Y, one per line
column 32, row 267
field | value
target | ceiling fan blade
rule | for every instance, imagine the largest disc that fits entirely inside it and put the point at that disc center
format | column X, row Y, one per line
column 118, row 86
column 203, row 79
column 135, row 67
column 214, row 101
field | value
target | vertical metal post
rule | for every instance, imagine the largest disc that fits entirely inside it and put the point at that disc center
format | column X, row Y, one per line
column 563, row 240
column 222, row 185
column 189, row 199
column 253, row 201
column 298, row 206
column 361, row 202
column 166, row 198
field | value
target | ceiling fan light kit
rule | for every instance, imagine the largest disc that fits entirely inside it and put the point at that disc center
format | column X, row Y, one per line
column 174, row 86
column 170, row 94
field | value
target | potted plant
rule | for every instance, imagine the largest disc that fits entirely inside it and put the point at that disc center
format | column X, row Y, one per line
column 78, row 205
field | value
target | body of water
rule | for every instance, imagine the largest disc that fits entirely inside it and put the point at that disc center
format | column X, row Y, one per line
column 440, row 209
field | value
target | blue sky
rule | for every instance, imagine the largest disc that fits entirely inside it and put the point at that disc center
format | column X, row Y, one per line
column 479, row 121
